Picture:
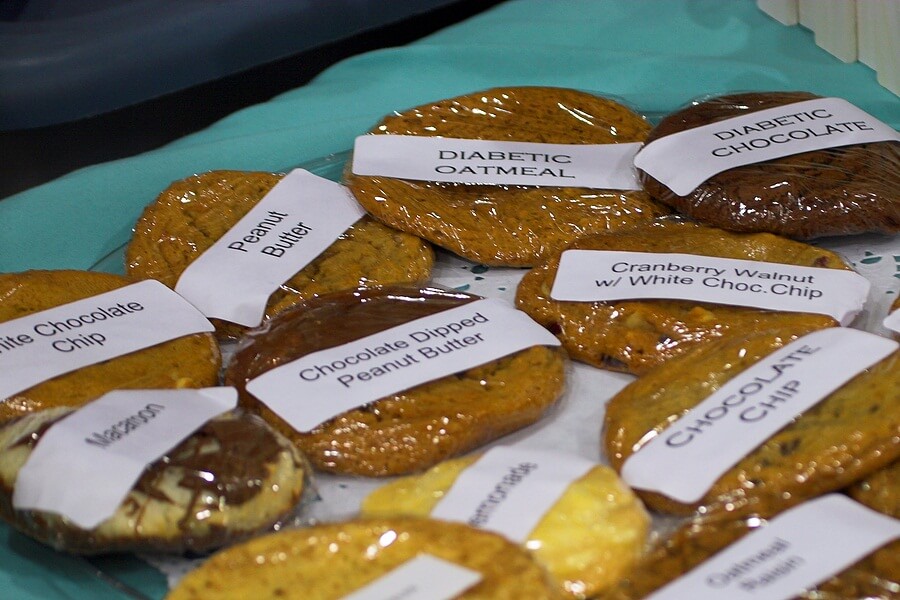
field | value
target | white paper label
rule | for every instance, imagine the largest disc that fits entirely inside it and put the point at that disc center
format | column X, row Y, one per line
column 424, row 577
column 684, row 160
column 493, row 162
column 85, row 464
column 509, row 490
column 324, row 384
column 601, row 275
column 795, row 551
column 293, row 224
column 65, row 338
column 892, row 321
column 686, row 458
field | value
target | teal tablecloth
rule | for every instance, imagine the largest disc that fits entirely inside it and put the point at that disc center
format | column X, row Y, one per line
column 656, row 54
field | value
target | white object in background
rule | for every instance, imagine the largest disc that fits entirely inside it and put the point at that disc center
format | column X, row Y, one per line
column 887, row 43
column 867, row 15
column 786, row 12
column 834, row 26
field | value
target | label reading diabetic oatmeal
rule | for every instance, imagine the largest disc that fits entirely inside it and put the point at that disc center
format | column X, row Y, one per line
column 424, row 577
column 600, row 275
column 335, row 380
column 293, row 224
column 509, row 490
column 684, row 160
column 85, row 464
column 687, row 457
column 52, row 342
column 492, row 162
column 793, row 552
column 892, row 321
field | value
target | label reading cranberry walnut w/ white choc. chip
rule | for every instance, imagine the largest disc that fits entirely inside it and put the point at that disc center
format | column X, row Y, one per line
column 424, row 577
column 602, row 275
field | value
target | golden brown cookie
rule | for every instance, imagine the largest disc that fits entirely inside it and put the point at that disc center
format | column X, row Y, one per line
column 193, row 213
column 508, row 225
column 191, row 361
column 880, row 490
column 637, row 335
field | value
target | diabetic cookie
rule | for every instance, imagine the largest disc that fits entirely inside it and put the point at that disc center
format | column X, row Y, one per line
column 413, row 429
column 193, row 213
column 503, row 224
column 191, row 361
column 636, row 335
column 834, row 191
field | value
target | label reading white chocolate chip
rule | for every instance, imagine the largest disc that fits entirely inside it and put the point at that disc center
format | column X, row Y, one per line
column 892, row 321
column 293, row 224
column 65, row 338
column 604, row 275
column 424, row 577
column 510, row 489
column 686, row 458
column 684, row 160
column 793, row 552
column 494, row 162
column 85, row 464
column 324, row 384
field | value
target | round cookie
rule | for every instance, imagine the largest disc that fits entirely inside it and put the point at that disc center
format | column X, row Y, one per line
column 880, row 491
column 191, row 361
column 508, row 225
column 192, row 214
column 834, row 191
column 637, row 335
column 418, row 427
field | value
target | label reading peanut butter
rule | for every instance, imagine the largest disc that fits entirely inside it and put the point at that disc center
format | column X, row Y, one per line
column 424, row 577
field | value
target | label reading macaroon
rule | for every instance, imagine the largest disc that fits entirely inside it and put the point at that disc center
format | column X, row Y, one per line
column 684, row 160
column 293, row 224
column 494, row 162
column 85, row 464
column 65, row 338
column 509, row 490
column 604, row 275
column 424, row 577
column 686, row 458
column 338, row 379
column 793, row 552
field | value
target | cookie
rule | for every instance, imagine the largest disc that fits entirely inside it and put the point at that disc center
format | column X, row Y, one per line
column 834, row 191
column 191, row 361
column 880, row 491
column 508, row 225
column 634, row 336
column 418, row 427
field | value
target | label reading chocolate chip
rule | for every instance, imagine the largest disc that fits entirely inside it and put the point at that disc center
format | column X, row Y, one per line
column 424, row 577
column 684, row 160
column 686, row 458
column 293, row 224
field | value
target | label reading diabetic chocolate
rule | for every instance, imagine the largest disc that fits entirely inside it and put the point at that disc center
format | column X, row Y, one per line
column 335, row 380
column 793, row 552
column 600, row 275
column 687, row 457
column 85, row 464
column 892, row 321
column 509, row 490
column 492, row 162
column 52, row 342
column 293, row 224
column 424, row 577
column 684, row 160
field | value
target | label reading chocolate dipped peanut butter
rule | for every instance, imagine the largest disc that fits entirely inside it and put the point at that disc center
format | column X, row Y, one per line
column 293, row 224
column 605, row 275
column 424, row 577
column 686, row 458
column 792, row 553
column 338, row 379
column 494, row 162
column 684, row 160
column 65, row 338
column 85, row 464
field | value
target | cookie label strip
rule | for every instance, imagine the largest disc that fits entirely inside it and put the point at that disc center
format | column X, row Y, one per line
column 509, row 489
column 602, row 275
column 892, row 321
column 65, row 338
column 494, row 162
column 684, row 160
column 321, row 385
column 85, row 464
column 795, row 551
column 424, row 577
column 293, row 224
column 686, row 458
